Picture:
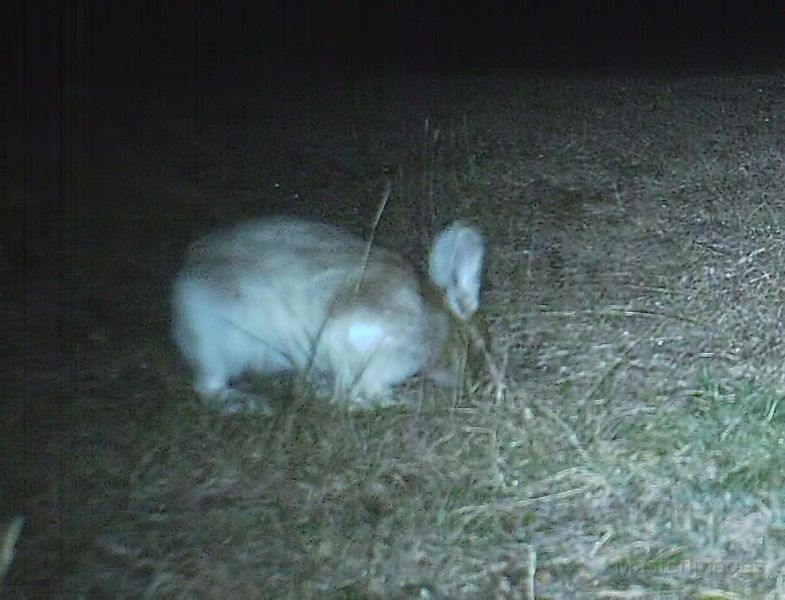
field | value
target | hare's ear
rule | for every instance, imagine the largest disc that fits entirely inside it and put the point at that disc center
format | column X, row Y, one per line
column 455, row 266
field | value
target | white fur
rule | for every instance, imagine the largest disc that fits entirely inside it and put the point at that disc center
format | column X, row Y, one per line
column 282, row 295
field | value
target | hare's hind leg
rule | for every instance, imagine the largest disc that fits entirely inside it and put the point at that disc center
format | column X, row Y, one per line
column 232, row 401
column 221, row 358
column 217, row 351
column 214, row 390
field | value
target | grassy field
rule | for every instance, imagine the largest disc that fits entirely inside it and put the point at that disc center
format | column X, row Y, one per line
column 623, row 440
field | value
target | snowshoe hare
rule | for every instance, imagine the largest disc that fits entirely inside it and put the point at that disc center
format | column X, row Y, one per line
column 288, row 296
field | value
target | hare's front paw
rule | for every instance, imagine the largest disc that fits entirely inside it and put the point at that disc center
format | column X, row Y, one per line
column 231, row 401
column 443, row 377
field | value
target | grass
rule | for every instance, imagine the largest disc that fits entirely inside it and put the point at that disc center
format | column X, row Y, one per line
column 622, row 440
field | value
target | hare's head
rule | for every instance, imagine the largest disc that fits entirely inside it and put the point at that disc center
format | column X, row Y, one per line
column 455, row 266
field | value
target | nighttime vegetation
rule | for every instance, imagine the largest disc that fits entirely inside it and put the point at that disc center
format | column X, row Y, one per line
column 619, row 436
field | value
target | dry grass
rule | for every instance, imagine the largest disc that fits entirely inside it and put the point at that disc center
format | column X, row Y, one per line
column 624, row 439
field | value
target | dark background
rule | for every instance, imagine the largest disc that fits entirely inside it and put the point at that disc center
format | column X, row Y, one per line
column 57, row 58
column 133, row 43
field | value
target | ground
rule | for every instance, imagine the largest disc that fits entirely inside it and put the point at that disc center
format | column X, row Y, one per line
column 622, row 439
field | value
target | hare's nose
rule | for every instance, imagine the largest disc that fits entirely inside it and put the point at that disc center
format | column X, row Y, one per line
column 464, row 307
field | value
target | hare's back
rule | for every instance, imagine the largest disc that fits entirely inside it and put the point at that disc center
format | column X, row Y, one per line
column 300, row 253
